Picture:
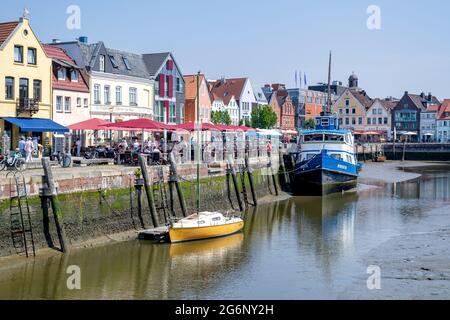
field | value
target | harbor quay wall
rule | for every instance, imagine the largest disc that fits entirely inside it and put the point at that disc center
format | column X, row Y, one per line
column 99, row 202
column 413, row 151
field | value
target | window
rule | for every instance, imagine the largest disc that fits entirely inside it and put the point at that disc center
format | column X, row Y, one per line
column 341, row 111
column 78, row 102
column 32, row 59
column 67, row 104
column 9, row 88
column 23, row 88
column 380, row 121
column 102, row 63
column 107, row 93
column 159, row 111
column 18, row 54
column 113, row 62
column 347, row 111
column 86, row 103
column 37, row 90
column 353, row 120
column 118, row 96
column 74, row 76
column 59, row 104
column 181, row 112
column 353, row 111
column 166, row 87
column 62, row 73
column 172, row 113
column 127, row 63
column 179, row 86
column 360, row 120
column 133, row 97
column 97, row 94
column 347, row 121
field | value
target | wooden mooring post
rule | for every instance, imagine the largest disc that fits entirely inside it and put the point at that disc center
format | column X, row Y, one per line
column 149, row 190
column 274, row 179
column 235, row 184
column 138, row 184
column 250, row 180
column 174, row 180
column 49, row 192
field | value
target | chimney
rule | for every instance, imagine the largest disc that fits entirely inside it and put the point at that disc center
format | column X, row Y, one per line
column 422, row 95
column 430, row 96
column 406, row 92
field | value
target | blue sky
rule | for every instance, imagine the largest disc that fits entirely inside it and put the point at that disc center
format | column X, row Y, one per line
column 268, row 40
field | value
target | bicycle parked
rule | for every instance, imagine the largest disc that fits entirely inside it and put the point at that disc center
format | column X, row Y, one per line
column 14, row 160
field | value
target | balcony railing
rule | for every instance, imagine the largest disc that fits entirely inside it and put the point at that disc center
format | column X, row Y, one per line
column 27, row 105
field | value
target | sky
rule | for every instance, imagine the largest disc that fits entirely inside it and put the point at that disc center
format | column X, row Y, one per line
column 269, row 41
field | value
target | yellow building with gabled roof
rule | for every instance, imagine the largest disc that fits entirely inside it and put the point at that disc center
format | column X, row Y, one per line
column 25, row 84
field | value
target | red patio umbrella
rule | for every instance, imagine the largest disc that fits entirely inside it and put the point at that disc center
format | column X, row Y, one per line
column 91, row 124
column 190, row 126
column 138, row 124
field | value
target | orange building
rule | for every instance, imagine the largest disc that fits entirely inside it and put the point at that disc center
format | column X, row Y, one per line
column 191, row 99
column 314, row 102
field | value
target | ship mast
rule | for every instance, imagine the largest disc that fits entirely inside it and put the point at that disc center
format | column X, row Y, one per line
column 328, row 107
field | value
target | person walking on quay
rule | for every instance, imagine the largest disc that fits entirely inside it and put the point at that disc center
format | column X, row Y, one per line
column 29, row 150
column 22, row 144
column 78, row 145
column 269, row 149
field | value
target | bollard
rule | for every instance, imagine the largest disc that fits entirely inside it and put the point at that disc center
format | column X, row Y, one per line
column 250, row 179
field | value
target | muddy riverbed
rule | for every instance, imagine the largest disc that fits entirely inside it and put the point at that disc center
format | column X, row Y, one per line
column 298, row 248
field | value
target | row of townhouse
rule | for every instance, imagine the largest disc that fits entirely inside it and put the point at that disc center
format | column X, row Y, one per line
column 414, row 115
column 69, row 82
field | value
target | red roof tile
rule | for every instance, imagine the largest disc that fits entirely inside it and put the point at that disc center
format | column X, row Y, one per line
column 56, row 53
column 225, row 90
column 444, row 110
column 6, row 28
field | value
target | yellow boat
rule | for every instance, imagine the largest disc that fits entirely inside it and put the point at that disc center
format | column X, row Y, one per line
column 205, row 225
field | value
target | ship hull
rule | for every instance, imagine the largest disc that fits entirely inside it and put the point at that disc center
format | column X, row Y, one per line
column 321, row 182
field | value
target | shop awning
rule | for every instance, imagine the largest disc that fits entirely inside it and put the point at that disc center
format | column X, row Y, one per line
column 37, row 125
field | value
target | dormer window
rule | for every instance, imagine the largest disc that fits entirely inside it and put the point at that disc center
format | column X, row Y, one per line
column 127, row 63
column 113, row 62
column 62, row 74
column 102, row 63
column 74, row 76
column 226, row 94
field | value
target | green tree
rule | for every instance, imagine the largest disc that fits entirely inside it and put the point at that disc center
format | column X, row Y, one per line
column 245, row 122
column 310, row 124
column 264, row 117
column 221, row 117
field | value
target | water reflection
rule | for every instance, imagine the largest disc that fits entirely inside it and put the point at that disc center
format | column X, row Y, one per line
column 301, row 248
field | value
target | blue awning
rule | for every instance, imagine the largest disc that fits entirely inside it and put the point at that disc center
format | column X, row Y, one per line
column 37, row 125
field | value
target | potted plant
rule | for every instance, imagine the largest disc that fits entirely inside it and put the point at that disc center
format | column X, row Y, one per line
column 138, row 181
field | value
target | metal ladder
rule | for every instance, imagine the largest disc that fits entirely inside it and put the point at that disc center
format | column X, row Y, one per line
column 20, row 217
column 160, row 197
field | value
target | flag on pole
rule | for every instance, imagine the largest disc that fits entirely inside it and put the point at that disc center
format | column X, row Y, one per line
column 296, row 78
column 306, row 84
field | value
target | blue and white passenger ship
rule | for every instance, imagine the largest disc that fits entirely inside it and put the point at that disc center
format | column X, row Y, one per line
column 327, row 162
